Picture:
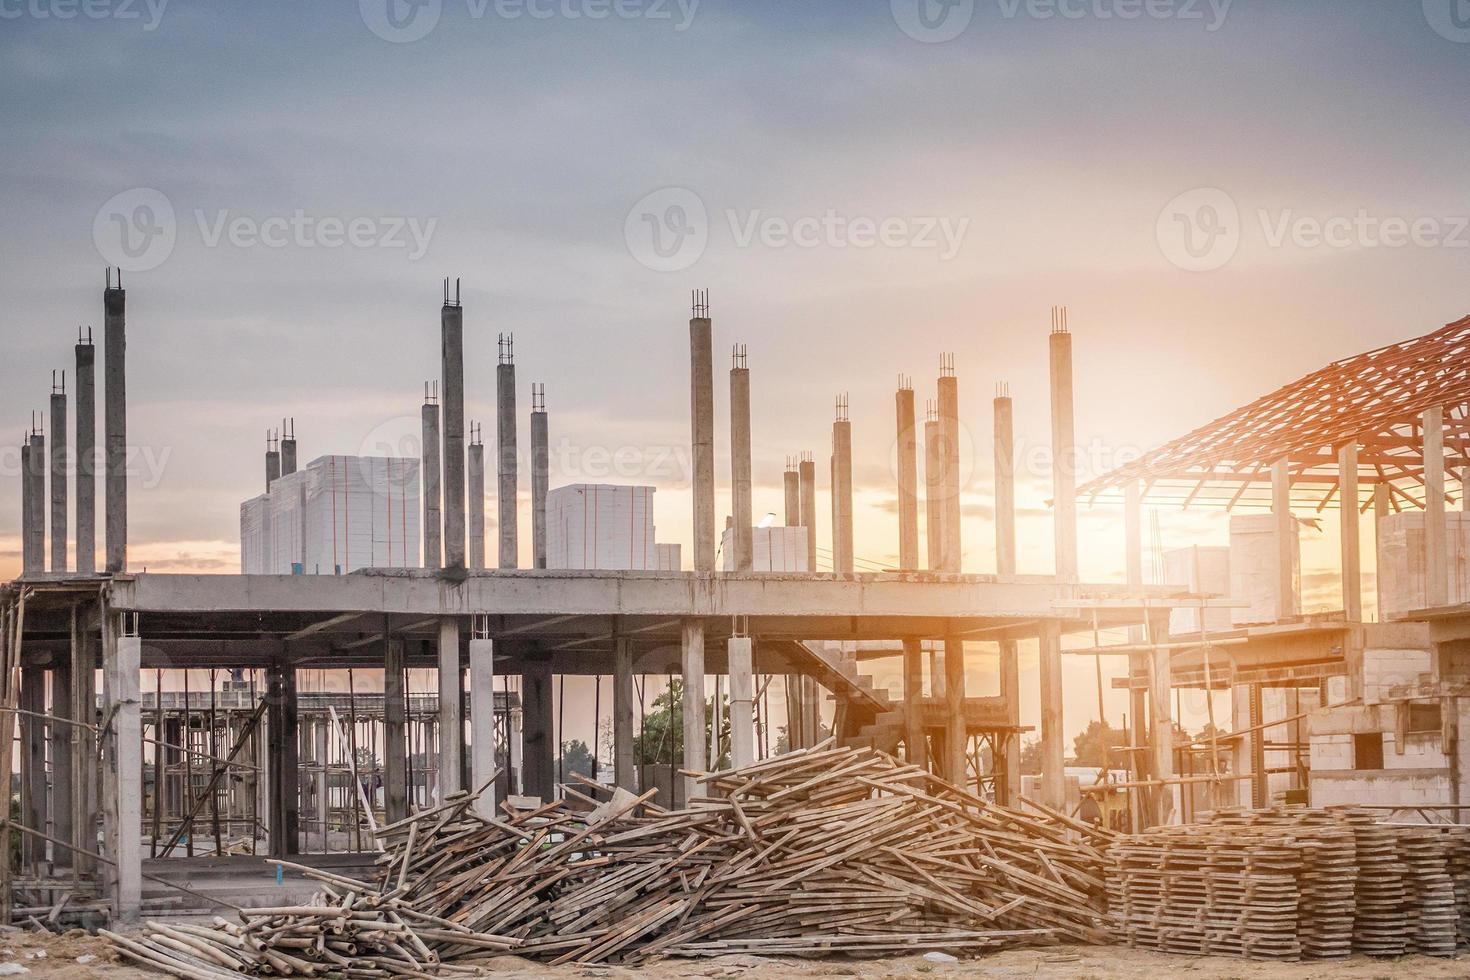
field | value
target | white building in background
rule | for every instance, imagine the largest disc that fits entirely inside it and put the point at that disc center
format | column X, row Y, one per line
column 773, row 549
column 339, row 514
column 597, row 525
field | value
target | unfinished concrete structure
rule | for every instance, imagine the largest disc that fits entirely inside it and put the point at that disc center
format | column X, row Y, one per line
column 532, row 627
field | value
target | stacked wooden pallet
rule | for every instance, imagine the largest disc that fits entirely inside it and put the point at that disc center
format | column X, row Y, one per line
column 1361, row 885
column 821, row 851
column 1202, row 889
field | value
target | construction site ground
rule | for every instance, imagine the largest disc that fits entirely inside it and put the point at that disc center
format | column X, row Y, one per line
column 67, row 958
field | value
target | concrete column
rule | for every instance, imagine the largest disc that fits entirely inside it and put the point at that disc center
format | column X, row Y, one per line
column 319, row 749
column 791, row 491
column 284, row 750
column 482, row 724
column 539, row 753
column 1010, row 691
column 451, row 710
column 540, row 474
column 84, row 744
column 1161, row 735
column 1286, row 592
column 1064, row 450
column 451, row 330
column 59, row 473
column 86, row 384
column 33, row 796
column 957, row 739
column 433, row 554
column 395, row 723
column 693, row 706
column 842, row 491
column 913, row 702
column 505, row 454
column 949, row 434
column 811, row 711
column 624, row 764
column 702, row 427
column 908, row 479
column 1053, row 735
column 1352, row 565
column 1005, row 486
column 115, row 422
column 740, row 459
column 933, row 491
column 272, row 461
column 1380, row 511
column 288, row 448
column 476, row 477
column 125, row 769
column 742, row 701
column 1436, row 555
column 807, row 476
column 61, row 737
column 32, row 506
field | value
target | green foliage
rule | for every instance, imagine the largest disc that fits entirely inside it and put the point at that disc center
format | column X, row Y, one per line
column 662, row 740
column 577, row 758
column 1091, row 747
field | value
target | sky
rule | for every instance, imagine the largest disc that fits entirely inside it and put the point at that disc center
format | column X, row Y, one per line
column 1224, row 195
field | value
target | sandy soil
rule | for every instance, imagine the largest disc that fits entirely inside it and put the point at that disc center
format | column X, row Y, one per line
column 57, row 958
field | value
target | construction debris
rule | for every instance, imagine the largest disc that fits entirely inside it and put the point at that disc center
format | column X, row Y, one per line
column 828, row 850
column 1292, row 883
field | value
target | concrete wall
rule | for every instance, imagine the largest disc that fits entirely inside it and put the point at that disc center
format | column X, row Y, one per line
column 1204, row 570
column 593, row 525
column 1253, row 568
column 774, row 549
column 1401, row 567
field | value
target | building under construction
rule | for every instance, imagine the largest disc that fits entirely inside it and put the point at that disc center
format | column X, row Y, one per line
column 216, row 736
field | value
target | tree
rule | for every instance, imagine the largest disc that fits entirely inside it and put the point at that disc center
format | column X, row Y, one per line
column 662, row 740
column 1031, row 757
column 1093, row 746
column 576, row 758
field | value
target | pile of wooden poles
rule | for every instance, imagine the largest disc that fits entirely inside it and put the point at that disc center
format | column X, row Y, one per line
column 816, row 851
column 826, row 850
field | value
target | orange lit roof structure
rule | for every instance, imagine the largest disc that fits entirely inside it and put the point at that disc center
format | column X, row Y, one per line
column 1376, row 399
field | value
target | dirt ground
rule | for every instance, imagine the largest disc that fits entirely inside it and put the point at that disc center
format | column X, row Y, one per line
column 66, row 958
